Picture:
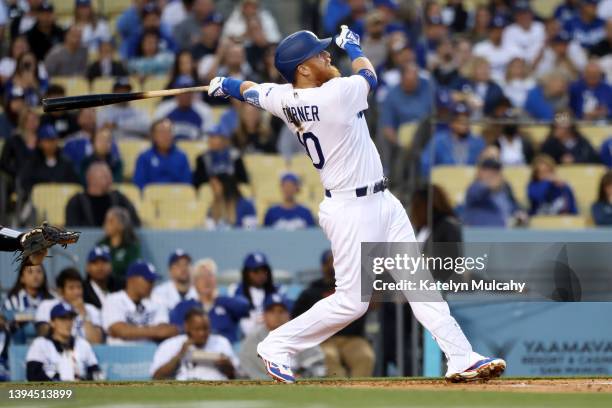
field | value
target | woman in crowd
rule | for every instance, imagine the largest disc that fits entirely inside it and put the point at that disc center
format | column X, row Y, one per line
column 602, row 208
column 229, row 208
column 19, row 46
column 548, row 195
column 102, row 143
column 514, row 147
column 151, row 60
column 94, row 29
column 184, row 65
column 121, row 239
column 566, row 145
column 517, row 82
column 254, row 134
column 29, row 76
column 22, row 300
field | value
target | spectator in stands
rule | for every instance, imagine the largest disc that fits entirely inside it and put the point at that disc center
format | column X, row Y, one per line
column 443, row 66
column 489, row 201
column 24, row 17
column 453, row 146
column 20, row 147
column 601, row 49
column 495, row 51
column 30, row 78
column 78, row 145
column 220, row 157
column 354, row 19
column 48, row 164
column 591, row 95
column 548, row 97
column 481, row 25
column 480, row 92
column 601, row 210
column 87, row 322
column 95, row 30
column 256, row 284
column 514, row 147
column 99, row 282
column 103, row 150
column 561, row 53
column 69, row 58
column 374, row 43
column 190, row 117
column 410, row 101
column 61, row 356
column 347, row 353
column 517, row 82
column 208, row 40
column 184, row 66
column 120, row 237
column 178, row 287
column 229, row 208
column 14, row 103
column 151, row 23
column 566, row 145
column 229, row 60
column 28, row 292
column 306, row 364
column 269, row 72
column 187, row 33
column 566, row 10
column 88, row 208
column 253, row 134
column 164, row 162
column 175, row 12
column 129, row 23
column 64, row 122
column 19, row 46
column 585, row 26
column 150, row 59
column 124, row 119
column 289, row 215
column 224, row 312
column 547, row 193
column 256, row 46
column 106, row 65
column 130, row 316
column 236, row 25
column 45, row 33
column 525, row 34
column 196, row 355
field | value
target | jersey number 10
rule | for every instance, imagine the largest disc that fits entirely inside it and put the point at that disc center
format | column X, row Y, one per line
column 310, row 141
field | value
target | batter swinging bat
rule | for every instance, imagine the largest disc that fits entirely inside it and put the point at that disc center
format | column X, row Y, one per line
column 91, row 101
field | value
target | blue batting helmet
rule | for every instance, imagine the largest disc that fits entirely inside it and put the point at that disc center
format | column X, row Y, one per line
column 295, row 49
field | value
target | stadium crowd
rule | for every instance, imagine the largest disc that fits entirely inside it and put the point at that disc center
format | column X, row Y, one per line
column 478, row 75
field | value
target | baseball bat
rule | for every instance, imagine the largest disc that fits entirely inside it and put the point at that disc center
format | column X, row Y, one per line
column 91, row 101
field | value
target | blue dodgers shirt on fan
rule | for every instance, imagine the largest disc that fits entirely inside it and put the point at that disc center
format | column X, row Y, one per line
column 289, row 218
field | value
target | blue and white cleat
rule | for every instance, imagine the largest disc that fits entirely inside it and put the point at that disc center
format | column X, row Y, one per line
column 279, row 373
column 482, row 370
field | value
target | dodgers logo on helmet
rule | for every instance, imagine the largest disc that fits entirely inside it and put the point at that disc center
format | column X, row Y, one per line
column 295, row 49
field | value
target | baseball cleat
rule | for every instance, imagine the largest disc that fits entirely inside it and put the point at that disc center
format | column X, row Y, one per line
column 279, row 373
column 482, row 370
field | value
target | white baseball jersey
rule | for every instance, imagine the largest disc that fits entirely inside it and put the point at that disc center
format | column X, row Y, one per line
column 118, row 307
column 330, row 124
column 189, row 370
column 69, row 364
column 167, row 295
column 43, row 315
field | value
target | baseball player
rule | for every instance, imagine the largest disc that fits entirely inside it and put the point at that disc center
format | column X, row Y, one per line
column 326, row 113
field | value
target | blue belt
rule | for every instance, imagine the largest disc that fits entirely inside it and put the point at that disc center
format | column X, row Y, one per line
column 363, row 191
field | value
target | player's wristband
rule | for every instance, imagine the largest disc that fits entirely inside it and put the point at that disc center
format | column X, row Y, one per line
column 353, row 51
column 231, row 87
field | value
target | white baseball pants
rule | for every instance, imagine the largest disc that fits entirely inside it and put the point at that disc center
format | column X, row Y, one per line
column 348, row 222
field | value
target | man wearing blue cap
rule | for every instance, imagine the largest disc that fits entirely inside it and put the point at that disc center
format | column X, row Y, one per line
column 178, row 287
column 220, row 158
column 60, row 356
column 289, row 215
column 586, row 27
column 47, row 165
column 99, row 282
column 130, row 316
column 494, row 50
column 190, row 117
column 326, row 112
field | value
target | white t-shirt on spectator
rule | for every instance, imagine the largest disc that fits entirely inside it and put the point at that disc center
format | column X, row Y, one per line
column 167, row 295
column 43, row 315
column 189, row 370
column 548, row 62
column 529, row 42
column 118, row 307
column 69, row 364
column 235, row 26
column 498, row 57
column 516, row 90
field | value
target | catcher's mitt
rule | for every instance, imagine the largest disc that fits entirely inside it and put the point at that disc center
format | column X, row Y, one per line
column 44, row 237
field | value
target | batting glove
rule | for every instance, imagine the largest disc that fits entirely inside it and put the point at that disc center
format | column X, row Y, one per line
column 215, row 88
column 347, row 37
